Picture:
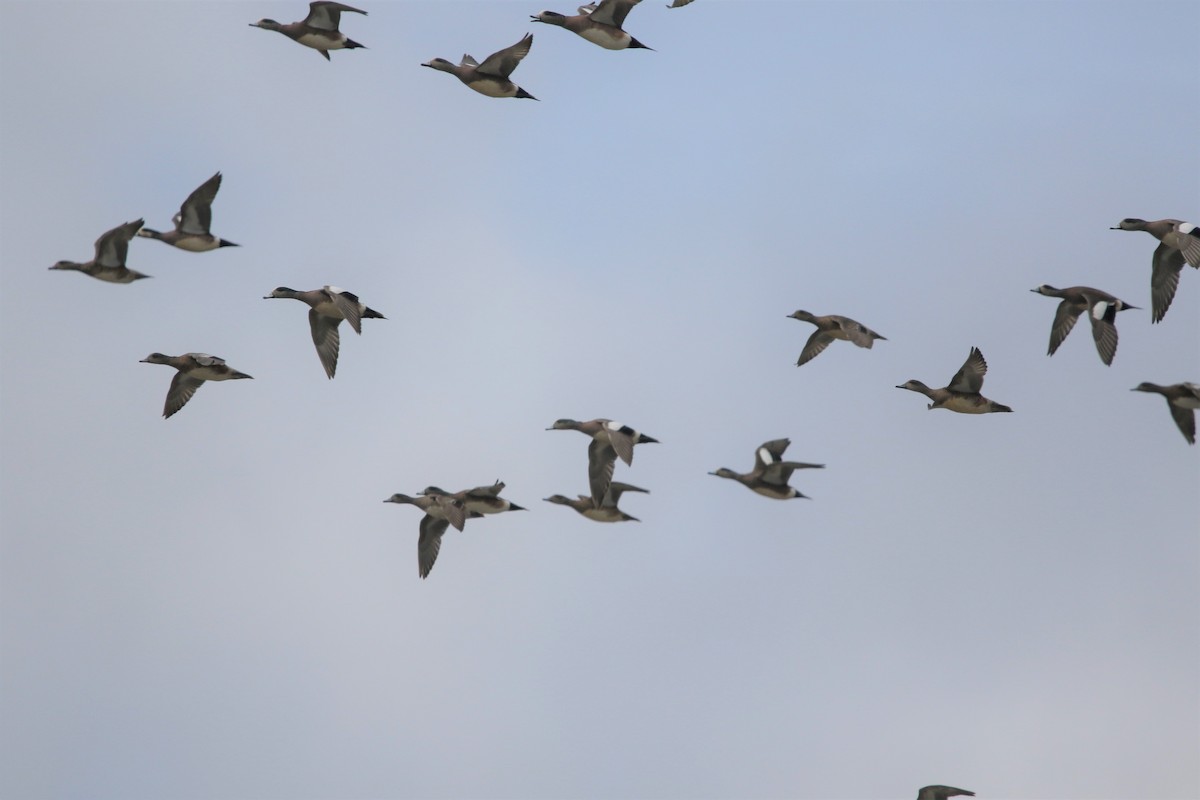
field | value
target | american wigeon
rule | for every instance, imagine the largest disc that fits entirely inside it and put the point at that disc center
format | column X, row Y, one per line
column 771, row 473
column 193, row 221
column 604, row 511
column 610, row 440
column 111, row 250
column 490, row 77
column 319, row 30
column 194, row 370
column 832, row 327
column 1179, row 243
column 328, row 306
column 1102, row 310
column 1183, row 399
column 962, row 395
column 440, row 513
column 598, row 23
column 480, row 500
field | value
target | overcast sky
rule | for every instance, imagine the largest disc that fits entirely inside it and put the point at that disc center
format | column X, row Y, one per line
column 219, row 605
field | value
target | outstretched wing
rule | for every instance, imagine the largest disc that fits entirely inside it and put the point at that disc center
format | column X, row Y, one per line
column 623, row 439
column 182, row 388
column 612, row 12
column 1064, row 320
column 815, row 345
column 602, row 460
column 327, row 15
column 195, row 215
column 1102, row 315
column 429, row 543
column 616, row 489
column 327, row 339
column 1185, row 418
column 1189, row 242
column 769, row 453
column 780, row 472
column 502, row 62
column 969, row 377
column 1164, row 279
column 348, row 305
column 113, row 246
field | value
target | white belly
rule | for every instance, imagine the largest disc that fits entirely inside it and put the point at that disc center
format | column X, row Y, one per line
column 966, row 405
column 607, row 37
column 493, row 88
column 323, row 41
column 197, row 244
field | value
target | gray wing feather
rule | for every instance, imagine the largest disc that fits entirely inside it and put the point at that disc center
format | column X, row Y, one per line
column 1104, row 332
column 1189, row 242
column 429, row 543
column 1164, row 279
column 326, row 15
column 1065, row 318
column 113, row 246
column 195, row 215
column 775, row 449
column 858, row 333
column 602, row 460
column 616, row 489
column 969, row 377
column 486, row 491
column 622, row 443
column 455, row 511
column 780, row 472
column 348, row 305
column 1185, row 418
column 182, row 388
column 613, row 12
column 502, row 62
column 327, row 339
column 815, row 345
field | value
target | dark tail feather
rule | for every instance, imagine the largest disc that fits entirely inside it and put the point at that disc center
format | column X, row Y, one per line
column 350, row 44
column 371, row 313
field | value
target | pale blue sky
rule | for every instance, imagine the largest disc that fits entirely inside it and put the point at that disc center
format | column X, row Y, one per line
column 220, row 606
